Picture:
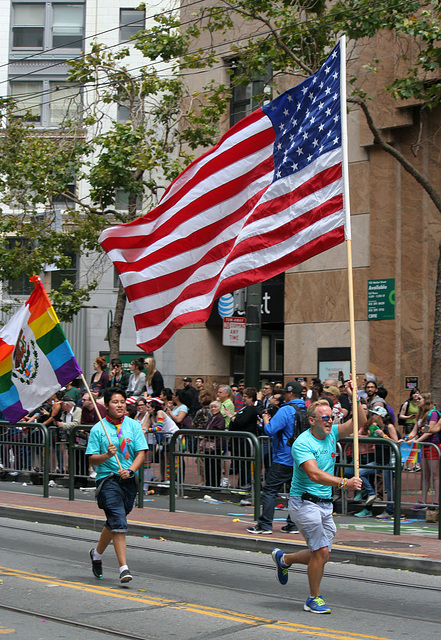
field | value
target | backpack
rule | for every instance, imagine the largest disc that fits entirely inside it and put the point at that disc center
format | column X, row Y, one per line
column 301, row 424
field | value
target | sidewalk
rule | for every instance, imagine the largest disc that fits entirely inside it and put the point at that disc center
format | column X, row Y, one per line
column 369, row 542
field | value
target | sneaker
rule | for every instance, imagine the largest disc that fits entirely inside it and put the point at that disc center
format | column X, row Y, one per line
column 92, row 475
column 383, row 516
column 419, row 507
column 371, row 499
column 257, row 529
column 281, row 569
column 365, row 513
column 289, row 528
column 316, row 605
column 97, row 566
column 125, row 576
column 225, row 483
column 358, row 496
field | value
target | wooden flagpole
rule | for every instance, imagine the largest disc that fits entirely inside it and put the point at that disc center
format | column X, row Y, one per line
column 99, row 416
column 347, row 208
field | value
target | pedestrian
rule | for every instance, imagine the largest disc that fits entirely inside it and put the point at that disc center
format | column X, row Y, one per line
column 280, row 428
column 116, row 485
column 310, row 502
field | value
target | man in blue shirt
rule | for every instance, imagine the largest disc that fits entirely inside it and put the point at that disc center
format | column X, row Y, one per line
column 281, row 428
column 116, row 486
column 310, row 502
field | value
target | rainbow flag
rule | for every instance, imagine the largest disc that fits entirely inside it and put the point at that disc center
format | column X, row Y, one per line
column 36, row 360
column 410, row 452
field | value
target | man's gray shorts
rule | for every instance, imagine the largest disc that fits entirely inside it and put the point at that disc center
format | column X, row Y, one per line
column 314, row 521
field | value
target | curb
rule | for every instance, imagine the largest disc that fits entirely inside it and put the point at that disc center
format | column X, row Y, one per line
column 240, row 542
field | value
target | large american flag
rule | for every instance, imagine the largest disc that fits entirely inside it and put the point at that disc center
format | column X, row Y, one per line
column 268, row 196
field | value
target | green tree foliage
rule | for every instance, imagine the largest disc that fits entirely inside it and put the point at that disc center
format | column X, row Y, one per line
column 140, row 155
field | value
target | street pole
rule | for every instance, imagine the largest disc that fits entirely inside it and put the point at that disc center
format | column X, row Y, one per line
column 253, row 336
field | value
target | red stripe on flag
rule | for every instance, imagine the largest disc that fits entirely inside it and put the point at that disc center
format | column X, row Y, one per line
column 313, row 248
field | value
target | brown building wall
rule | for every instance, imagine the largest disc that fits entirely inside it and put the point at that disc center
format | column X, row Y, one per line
column 396, row 231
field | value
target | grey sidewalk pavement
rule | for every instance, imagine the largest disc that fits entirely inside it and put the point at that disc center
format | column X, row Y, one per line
column 223, row 524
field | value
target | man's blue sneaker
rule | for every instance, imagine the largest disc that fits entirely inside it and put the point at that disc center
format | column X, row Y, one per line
column 281, row 570
column 316, row 605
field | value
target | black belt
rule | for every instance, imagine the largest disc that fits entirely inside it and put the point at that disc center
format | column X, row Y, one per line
column 310, row 497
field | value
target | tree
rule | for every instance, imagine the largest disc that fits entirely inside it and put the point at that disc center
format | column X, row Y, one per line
column 294, row 38
column 139, row 156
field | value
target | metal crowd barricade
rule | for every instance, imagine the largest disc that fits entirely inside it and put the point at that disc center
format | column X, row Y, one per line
column 243, row 449
column 394, row 467
column 24, row 447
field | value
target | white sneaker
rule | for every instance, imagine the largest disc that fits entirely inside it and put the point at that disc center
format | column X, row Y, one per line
column 225, row 482
column 92, row 475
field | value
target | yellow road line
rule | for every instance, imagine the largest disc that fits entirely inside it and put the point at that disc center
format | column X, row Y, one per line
column 205, row 610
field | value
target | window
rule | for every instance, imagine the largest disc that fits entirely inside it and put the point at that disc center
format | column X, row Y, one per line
column 21, row 286
column 122, row 200
column 28, row 26
column 130, row 22
column 67, row 25
column 47, row 25
column 46, row 102
column 65, row 102
column 68, row 273
column 28, row 96
column 62, row 201
column 243, row 101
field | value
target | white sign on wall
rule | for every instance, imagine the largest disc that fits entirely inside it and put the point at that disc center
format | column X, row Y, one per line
column 233, row 332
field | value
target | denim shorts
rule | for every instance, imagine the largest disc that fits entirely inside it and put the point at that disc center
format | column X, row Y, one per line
column 314, row 521
column 116, row 497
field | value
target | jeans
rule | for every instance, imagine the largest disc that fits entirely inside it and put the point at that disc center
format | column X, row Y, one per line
column 116, row 497
column 277, row 475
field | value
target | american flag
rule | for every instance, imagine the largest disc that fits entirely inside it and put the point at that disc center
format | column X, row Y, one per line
column 268, row 196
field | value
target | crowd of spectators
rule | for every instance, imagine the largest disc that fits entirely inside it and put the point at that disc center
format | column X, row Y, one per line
column 161, row 411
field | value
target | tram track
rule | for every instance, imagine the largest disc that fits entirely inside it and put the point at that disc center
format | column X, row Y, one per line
column 74, row 623
column 219, row 559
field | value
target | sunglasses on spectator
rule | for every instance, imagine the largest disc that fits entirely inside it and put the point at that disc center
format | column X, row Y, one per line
column 323, row 418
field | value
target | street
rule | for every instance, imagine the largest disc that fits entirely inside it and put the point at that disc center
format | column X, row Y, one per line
column 187, row 591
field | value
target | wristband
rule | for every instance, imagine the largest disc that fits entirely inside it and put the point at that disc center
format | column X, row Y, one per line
column 343, row 483
column 131, row 473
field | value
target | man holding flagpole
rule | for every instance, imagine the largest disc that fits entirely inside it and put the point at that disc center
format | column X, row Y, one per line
column 117, row 448
column 310, row 502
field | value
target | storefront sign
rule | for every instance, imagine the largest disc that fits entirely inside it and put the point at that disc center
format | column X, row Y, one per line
column 381, row 299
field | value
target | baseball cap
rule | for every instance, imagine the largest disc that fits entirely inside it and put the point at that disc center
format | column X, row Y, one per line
column 186, row 379
column 379, row 411
column 294, row 387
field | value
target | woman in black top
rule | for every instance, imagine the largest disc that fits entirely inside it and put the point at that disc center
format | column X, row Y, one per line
column 245, row 420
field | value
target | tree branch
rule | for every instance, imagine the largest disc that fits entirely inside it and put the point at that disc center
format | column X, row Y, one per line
column 407, row 166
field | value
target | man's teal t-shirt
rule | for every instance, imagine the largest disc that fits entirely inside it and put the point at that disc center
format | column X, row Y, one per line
column 307, row 447
column 98, row 443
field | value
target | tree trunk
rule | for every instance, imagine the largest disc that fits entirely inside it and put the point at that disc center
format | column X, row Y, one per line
column 116, row 328
column 435, row 366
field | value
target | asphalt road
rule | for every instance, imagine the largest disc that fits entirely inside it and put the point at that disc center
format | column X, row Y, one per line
column 190, row 592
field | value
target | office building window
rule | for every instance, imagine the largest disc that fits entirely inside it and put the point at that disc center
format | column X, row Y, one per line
column 65, row 102
column 67, row 25
column 28, row 98
column 47, row 25
column 28, row 26
column 46, row 102
column 67, row 273
column 122, row 200
column 247, row 98
column 130, row 22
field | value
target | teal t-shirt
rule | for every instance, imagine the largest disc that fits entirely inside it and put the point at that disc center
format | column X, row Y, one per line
column 98, row 443
column 307, row 447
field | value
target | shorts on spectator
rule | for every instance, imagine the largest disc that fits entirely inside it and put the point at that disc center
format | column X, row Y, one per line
column 314, row 521
column 116, row 497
